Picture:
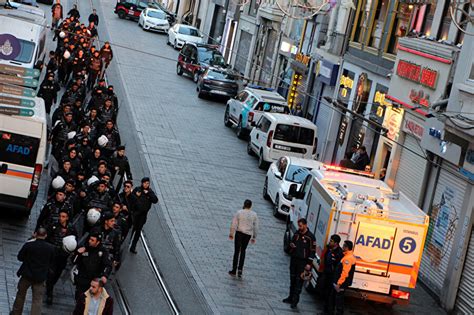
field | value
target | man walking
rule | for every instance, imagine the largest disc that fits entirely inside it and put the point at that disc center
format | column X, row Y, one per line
column 243, row 229
column 95, row 301
column 302, row 251
column 343, row 276
column 144, row 198
column 36, row 256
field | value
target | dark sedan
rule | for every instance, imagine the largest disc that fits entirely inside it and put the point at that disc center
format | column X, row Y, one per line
column 218, row 82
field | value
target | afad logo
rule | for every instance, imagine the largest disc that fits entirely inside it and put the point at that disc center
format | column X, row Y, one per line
column 374, row 242
column 18, row 149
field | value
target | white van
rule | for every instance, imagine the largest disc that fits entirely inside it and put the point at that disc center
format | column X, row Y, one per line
column 277, row 135
column 23, row 140
column 28, row 24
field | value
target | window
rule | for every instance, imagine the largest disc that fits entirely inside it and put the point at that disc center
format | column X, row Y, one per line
column 380, row 16
column 251, row 101
column 253, row 7
column 294, row 134
column 400, row 27
column 264, row 124
column 188, row 31
column 157, row 15
column 210, row 56
column 242, row 96
column 445, row 23
column 26, row 51
column 361, row 20
column 296, row 174
column 429, row 15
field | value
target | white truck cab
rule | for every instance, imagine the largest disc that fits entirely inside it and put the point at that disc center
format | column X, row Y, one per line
column 278, row 135
column 388, row 230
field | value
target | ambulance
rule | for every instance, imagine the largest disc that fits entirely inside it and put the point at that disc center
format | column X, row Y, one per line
column 23, row 141
column 388, row 230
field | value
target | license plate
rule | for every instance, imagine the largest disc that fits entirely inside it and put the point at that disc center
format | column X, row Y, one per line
column 131, row 12
column 282, row 147
column 218, row 92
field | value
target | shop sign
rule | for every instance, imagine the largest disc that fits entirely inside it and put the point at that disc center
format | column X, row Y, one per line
column 302, row 58
column 346, row 83
column 379, row 104
column 327, row 72
column 342, row 130
column 300, row 63
column 5, row 110
column 413, row 128
column 392, row 121
column 293, row 95
column 413, row 72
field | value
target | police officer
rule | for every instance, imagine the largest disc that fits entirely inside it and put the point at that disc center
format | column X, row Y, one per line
column 343, row 276
column 92, row 261
column 50, row 212
column 110, row 237
column 56, row 232
column 122, row 219
column 49, row 92
column 302, row 251
column 332, row 256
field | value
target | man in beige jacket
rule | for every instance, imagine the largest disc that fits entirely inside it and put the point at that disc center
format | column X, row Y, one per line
column 243, row 229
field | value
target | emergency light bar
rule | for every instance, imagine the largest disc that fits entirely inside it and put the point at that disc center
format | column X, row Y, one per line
column 348, row 170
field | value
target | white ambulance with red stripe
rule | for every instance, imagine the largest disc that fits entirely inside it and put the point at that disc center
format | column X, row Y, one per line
column 388, row 230
column 23, row 141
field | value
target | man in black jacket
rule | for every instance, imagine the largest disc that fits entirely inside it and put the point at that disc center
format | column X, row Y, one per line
column 332, row 256
column 93, row 17
column 36, row 256
column 144, row 198
column 302, row 251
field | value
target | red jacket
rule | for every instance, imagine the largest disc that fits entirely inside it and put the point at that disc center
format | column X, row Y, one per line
column 106, row 306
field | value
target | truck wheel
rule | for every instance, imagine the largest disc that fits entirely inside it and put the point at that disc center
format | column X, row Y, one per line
column 227, row 121
column 122, row 14
column 240, row 130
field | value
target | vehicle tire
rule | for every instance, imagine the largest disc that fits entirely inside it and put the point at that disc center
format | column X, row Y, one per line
column 175, row 45
column 249, row 149
column 179, row 70
column 286, row 242
column 227, row 121
column 261, row 162
column 200, row 93
column 276, row 214
column 195, row 77
column 265, row 190
column 240, row 131
column 168, row 41
column 122, row 14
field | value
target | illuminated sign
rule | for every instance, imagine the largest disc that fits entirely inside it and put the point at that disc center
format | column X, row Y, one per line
column 346, row 84
column 295, row 82
column 379, row 104
column 413, row 72
column 304, row 59
column 419, row 97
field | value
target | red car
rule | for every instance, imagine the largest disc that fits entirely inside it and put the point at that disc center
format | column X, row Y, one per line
column 194, row 59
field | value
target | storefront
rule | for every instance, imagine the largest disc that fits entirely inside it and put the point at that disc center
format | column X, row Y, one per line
column 319, row 111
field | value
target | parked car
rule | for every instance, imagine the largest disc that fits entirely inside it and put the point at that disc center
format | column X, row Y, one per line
column 218, row 82
column 153, row 20
column 281, row 174
column 180, row 34
column 249, row 105
column 194, row 59
column 169, row 15
column 130, row 8
column 277, row 135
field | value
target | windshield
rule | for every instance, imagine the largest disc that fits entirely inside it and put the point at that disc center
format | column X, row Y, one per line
column 26, row 52
column 272, row 107
column 294, row 134
column 220, row 75
column 157, row 15
column 18, row 149
column 296, row 174
column 188, row 31
column 212, row 57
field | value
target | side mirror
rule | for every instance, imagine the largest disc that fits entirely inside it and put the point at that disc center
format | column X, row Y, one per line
column 293, row 191
column 278, row 175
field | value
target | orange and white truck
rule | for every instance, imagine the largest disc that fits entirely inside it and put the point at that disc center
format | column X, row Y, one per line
column 388, row 230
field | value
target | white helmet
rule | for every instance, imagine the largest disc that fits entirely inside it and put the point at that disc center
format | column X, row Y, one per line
column 62, row 34
column 58, row 182
column 92, row 180
column 71, row 134
column 93, row 215
column 102, row 141
column 69, row 243
column 66, row 54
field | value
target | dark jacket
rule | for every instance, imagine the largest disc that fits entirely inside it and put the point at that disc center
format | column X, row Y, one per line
column 50, row 213
column 123, row 166
column 56, row 233
column 99, row 200
column 93, row 263
column 332, row 257
column 48, row 92
column 362, row 161
column 143, row 202
column 111, row 240
column 94, row 18
column 36, row 256
column 303, row 246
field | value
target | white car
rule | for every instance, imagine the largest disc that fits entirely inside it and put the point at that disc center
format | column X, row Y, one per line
column 179, row 34
column 153, row 20
column 281, row 174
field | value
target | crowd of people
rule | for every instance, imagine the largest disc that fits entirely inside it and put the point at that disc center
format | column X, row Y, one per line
column 91, row 200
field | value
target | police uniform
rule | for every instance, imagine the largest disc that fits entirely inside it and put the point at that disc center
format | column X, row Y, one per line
column 302, row 250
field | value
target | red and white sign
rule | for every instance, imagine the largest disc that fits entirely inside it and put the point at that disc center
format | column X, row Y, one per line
column 413, row 128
